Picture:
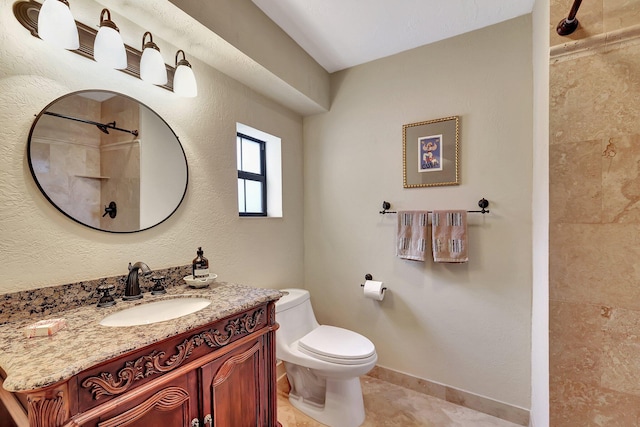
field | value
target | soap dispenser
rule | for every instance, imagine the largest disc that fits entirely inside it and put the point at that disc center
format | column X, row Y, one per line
column 200, row 265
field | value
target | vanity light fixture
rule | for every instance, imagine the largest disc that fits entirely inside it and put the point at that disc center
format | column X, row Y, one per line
column 108, row 47
column 184, row 81
column 152, row 68
column 56, row 24
column 47, row 21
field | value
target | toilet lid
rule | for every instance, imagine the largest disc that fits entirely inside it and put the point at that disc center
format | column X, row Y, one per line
column 335, row 344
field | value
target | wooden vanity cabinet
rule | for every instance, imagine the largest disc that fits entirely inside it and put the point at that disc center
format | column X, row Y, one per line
column 171, row 403
column 232, row 394
column 221, row 374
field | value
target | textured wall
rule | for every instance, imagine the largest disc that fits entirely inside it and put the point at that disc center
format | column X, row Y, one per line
column 467, row 326
column 595, row 219
column 40, row 246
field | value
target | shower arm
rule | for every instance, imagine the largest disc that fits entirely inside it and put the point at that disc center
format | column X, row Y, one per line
column 569, row 24
column 104, row 127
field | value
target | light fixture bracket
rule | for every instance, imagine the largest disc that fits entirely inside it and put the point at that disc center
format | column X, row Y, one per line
column 26, row 12
column 183, row 61
column 150, row 43
column 107, row 22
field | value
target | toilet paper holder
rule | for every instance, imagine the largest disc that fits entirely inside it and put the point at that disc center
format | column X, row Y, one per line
column 370, row 277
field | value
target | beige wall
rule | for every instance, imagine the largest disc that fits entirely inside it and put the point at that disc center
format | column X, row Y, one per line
column 247, row 28
column 594, row 245
column 264, row 252
column 467, row 326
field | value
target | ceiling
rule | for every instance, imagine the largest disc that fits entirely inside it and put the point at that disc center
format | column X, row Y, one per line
column 340, row 34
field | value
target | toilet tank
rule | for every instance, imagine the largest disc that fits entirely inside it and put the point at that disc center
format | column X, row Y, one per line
column 295, row 315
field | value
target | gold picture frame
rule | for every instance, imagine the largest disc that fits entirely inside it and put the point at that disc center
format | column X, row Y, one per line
column 430, row 153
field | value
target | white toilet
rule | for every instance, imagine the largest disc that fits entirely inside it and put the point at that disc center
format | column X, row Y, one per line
column 323, row 363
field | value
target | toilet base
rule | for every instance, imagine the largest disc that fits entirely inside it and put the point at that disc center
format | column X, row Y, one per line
column 343, row 404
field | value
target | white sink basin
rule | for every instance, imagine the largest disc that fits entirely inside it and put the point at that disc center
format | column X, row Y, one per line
column 157, row 311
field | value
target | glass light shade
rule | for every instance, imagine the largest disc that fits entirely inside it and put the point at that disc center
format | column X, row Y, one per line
column 184, row 82
column 108, row 48
column 152, row 68
column 57, row 26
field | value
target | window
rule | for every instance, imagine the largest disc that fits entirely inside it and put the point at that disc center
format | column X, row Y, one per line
column 272, row 170
column 252, row 176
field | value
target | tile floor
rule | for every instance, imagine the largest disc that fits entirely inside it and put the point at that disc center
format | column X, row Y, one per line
column 389, row 405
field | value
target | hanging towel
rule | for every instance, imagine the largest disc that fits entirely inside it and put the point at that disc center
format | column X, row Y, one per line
column 449, row 236
column 412, row 235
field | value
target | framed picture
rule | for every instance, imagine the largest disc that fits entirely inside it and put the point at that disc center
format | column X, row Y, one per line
column 430, row 153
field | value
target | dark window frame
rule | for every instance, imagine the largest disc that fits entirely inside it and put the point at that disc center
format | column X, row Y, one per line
column 249, row 176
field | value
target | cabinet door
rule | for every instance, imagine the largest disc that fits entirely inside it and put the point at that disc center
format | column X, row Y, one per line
column 173, row 403
column 233, row 388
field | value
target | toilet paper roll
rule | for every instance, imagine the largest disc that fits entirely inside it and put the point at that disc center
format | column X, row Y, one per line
column 374, row 290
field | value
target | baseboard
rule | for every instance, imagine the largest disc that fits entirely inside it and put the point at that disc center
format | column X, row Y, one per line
column 478, row 403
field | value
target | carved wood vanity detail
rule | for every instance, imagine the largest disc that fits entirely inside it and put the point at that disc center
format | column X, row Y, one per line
column 220, row 374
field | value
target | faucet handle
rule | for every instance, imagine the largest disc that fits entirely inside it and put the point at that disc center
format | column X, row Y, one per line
column 106, row 300
column 158, row 287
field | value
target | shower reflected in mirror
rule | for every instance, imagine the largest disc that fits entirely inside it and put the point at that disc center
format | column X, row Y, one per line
column 89, row 150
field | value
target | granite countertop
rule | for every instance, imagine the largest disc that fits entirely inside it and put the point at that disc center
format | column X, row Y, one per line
column 32, row 363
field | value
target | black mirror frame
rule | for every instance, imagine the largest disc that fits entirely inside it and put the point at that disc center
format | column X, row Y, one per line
column 33, row 174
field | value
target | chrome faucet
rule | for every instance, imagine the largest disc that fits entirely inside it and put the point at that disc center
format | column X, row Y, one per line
column 132, row 289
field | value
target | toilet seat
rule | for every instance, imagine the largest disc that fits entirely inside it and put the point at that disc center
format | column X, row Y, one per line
column 337, row 345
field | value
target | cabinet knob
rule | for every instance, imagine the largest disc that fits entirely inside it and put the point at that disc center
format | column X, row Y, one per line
column 195, row 422
column 208, row 419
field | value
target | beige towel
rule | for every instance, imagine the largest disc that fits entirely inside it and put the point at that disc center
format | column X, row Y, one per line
column 449, row 236
column 412, row 235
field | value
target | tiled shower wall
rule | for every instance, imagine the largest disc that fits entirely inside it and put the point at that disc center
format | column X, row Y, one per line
column 120, row 161
column 64, row 152
column 595, row 217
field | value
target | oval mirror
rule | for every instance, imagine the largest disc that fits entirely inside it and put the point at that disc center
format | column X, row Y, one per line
column 107, row 161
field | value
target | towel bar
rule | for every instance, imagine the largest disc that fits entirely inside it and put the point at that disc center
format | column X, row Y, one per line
column 482, row 203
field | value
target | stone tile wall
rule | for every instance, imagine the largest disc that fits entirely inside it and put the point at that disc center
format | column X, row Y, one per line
column 595, row 217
